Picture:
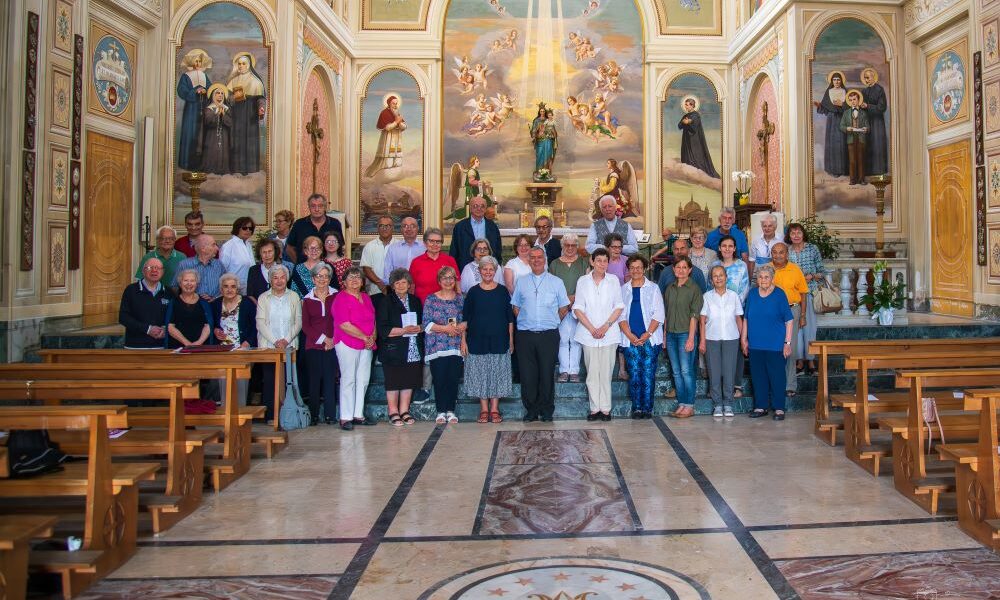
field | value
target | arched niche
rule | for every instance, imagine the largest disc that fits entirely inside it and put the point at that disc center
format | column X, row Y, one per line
column 323, row 158
column 767, row 183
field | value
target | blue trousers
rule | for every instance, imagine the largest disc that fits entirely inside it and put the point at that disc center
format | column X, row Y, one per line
column 682, row 366
column 641, row 361
column 767, row 373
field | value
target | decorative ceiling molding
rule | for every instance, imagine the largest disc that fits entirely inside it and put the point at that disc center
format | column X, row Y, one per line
column 917, row 12
column 323, row 50
column 750, row 68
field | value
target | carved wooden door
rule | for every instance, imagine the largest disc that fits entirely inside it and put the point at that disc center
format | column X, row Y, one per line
column 107, row 227
column 952, row 232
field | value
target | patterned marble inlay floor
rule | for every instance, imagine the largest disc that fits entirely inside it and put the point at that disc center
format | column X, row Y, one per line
column 559, row 481
column 259, row 588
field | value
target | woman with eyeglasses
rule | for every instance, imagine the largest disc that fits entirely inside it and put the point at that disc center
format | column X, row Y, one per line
column 354, row 341
column 317, row 329
column 470, row 274
column 569, row 268
column 443, row 315
column 333, row 254
column 283, row 220
column 302, row 282
column 237, row 254
column 268, row 253
column 517, row 266
column 425, row 268
column 399, row 319
column 703, row 258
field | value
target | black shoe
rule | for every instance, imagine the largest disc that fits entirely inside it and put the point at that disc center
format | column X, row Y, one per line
column 530, row 418
column 313, row 422
column 593, row 416
column 637, row 414
column 365, row 421
column 779, row 416
column 756, row 414
column 347, row 426
column 330, row 421
column 546, row 418
column 606, row 416
column 647, row 415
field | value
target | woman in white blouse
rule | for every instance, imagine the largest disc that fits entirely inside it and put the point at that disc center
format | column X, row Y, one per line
column 722, row 323
column 279, row 320
column 642, row 335
column 470, row 274
column 597, row 307
column 518, row 266
column 237, row 254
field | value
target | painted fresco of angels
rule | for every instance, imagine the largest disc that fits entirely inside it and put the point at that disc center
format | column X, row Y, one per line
column 591, row 8
column 464, row 76
column 479, row 75
column 488, row 114
column 607, row 77
column 465, row 184
column 582, row 47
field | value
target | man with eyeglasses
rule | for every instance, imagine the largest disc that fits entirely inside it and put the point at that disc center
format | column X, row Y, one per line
column 373, row 256
column 474, row 227
column 143, row 308
column 401, row 253
column 610, row 222
column 424, row 268
column 545, row 240
column 316, row 223
column 165, row 251
column 209, row 268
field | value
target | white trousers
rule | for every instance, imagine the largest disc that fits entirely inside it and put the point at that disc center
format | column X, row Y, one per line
column 355, row 371
column 569, row 349
column 600, row 361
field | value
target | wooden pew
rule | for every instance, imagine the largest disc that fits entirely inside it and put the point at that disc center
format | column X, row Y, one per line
column 977, row 471
column 858, row 411
column 911, row 474
column 16, row 533
column 825, row 427
column 271, row 441
column 109, row 490
column 184, row 449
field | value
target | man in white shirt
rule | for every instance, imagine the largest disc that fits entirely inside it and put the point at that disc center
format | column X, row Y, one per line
column 760, row 250
column 373, row 256
column 610, row 223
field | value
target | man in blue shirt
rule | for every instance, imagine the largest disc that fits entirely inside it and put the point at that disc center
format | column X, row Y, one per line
column 540, row 302
column 209, row 268
column 681, row 248
column 727, row 218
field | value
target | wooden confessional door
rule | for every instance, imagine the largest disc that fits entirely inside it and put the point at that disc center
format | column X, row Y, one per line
column 951, row 229
column 107, row 227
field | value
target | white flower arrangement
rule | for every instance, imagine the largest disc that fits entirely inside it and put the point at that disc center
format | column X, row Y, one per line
column 743, row 179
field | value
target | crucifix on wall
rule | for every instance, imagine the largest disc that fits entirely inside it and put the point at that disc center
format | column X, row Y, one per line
column 764, row 135
column 315, row 135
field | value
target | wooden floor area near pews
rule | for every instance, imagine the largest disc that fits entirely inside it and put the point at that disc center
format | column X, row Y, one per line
column 146, row 480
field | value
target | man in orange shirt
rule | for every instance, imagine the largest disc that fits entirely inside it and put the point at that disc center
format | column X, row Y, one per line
column 789, row 278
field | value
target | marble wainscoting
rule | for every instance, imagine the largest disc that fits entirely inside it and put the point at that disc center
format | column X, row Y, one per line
column 555, row 481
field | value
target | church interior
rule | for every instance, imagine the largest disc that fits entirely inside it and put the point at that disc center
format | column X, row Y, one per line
column 873, row 125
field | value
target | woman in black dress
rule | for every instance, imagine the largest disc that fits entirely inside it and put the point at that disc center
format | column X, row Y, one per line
column 488, row 342
column 400, row 348
column 188, row 316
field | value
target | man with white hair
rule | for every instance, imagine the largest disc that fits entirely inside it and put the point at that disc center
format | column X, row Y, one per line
column 209, row 268
column 143, row 308
column 169, row 256
column 611, row 223
column 474, row 227
column 727, row 218
column 760, row 251
column 401, row 253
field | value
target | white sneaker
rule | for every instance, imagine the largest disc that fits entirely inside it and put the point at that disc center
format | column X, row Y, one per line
column 728, row 411
column 717, row 412
column 451, row 417
column 441, row 419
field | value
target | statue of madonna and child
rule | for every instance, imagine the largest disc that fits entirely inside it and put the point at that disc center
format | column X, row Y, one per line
column 545, row 139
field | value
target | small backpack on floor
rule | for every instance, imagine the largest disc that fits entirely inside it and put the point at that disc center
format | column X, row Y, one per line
column 294, row 413
column 30, row 453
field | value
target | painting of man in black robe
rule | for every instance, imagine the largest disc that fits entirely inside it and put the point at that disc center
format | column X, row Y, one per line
column 874, row 103
column 694, row 146
column 832, row 105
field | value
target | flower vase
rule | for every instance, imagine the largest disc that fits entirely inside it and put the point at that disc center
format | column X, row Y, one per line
column 741, row 198
column 885, row 316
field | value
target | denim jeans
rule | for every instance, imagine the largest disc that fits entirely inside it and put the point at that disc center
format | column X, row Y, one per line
column 682, row 367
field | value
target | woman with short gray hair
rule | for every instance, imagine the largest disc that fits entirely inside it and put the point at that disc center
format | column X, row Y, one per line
column 488, row 341
column 317, row 338
column 767, row 340
column 470, row 274
column 279, row 321
column 400, row 346
column 569, row 268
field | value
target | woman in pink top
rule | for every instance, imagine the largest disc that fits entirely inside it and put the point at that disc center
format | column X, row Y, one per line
column 354, row 341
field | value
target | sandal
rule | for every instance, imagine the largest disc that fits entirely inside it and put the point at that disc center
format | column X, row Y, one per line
column 484, row 417
column 407, row 418
column 395, row 420
column 737, row 392
column 496, row 418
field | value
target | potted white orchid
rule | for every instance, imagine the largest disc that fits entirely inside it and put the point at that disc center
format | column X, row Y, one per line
column 743, row 181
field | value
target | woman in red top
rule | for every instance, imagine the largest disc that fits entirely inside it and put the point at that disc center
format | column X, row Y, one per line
column 333, row 254
column 424, row 268
column 321, row 359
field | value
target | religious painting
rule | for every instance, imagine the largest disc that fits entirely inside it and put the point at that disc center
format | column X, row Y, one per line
column 57, row 255
column 948, row 79
column 991, row 105
column 993, row 180
column 315, row 138
column 222, row 89
column 765, row 133
column 544, row 96
column 851, row 103
column 62, row 30
column 691, row 144
column 111, row 71
column 62, row 91
column 991, row 43
column 59, row 178
column 392, row 150
column 397, row 15
column 689, row 17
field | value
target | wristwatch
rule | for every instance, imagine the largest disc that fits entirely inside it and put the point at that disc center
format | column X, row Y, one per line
column 788, row 343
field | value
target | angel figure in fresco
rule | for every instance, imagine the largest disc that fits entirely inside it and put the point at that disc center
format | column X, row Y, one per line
column 573, row 111
column 216, row 140
column 835, row 142
column 506, row 106
column 484, row 122
column 463, row 186
column 694, row 146
column 615, row 86
column 479, row 74
column 496, row 47
column 389, row 152
column 593, row 128
column 192, row 88
column 246, row 98
column 603, row 115
column 510, row 42
column 620, row 183
column 591, row 8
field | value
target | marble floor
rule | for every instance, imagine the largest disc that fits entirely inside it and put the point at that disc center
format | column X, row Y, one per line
column 569, row 510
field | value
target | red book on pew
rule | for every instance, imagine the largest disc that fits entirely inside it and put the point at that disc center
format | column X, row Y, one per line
column 208, row 348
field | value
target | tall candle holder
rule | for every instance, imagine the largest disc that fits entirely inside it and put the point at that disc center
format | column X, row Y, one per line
column 194, row 179
column 880, row 182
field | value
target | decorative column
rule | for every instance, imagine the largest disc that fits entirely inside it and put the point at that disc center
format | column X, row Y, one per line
column 880, row 182
column 862, row 290
column 845, row 291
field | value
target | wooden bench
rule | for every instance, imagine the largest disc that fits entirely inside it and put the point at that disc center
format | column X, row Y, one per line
column 977, row 471
column 826, row 427
column 912, row 475
column 16, row 533
column 859, row 411
column 109, row 490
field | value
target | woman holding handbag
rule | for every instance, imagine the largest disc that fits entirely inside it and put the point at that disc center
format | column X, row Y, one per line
column 808, row 258
column 401, row 345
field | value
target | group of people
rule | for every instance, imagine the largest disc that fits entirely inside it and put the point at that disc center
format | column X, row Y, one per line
column 433, row 319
